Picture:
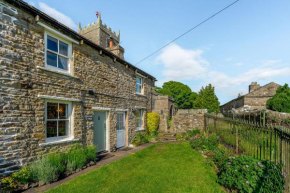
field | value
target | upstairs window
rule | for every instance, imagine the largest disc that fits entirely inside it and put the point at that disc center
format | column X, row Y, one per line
column 58, row 53
column 139, row 85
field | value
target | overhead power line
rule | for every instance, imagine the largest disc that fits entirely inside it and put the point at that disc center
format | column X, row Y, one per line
column 189, row 31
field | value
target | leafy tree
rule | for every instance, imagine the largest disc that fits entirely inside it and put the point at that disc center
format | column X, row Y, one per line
column 181, row 93
column 281, row 100
column 207, row 99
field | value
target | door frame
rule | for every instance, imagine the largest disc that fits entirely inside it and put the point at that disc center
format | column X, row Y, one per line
column 125, row 111
column 107, row 111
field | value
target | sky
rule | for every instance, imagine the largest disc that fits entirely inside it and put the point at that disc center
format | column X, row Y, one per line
column 249, row 42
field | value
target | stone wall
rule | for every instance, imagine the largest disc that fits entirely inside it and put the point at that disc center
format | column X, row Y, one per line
column 188, row 119
column 23, row 78
column 278, row 118
column 164, row 106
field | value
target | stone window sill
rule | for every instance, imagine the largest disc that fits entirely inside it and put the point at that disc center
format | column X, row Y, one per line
column 140, row 94
column 58, row 142
column 139, row 129
column 57, row 72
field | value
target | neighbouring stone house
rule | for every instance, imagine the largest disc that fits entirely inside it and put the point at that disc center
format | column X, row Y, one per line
column 256, row 99
column 58, row 87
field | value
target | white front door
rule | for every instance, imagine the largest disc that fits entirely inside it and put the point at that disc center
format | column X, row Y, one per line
column 120, row 130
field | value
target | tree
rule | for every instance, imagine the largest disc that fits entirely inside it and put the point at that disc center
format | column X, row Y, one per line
column 207, row 99
column 181, row 93
column 281, row 100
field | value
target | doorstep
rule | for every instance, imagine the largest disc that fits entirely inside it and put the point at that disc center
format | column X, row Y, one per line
column 113, row 157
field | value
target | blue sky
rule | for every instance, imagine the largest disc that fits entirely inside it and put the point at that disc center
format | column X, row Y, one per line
column 248, row 42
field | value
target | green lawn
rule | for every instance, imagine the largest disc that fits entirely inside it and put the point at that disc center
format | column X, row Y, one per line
column 159, row 168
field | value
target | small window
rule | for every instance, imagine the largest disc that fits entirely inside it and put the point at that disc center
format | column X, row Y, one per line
column 58, row 120
column 58, row 53
column 139, row 85
column 139, row 119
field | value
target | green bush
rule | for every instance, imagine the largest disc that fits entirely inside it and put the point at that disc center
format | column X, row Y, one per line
column 242, row 173
column 76, row 157
column 91, row 152
column 220, row 155
column 194, row 132
column 205, row 143
column 281, row 100
column 58, row 161
column 152, row 122
column 11, row 183
column 140, row 138
column 273, row 179
column 43, row 171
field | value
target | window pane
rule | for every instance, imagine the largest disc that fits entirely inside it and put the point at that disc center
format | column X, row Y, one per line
column 63, row 48
column 51, row 59
column 62, row 128
column 138, row 80
column 51, row 129
column 52, row 43
column 52, row 110
column 62, row 111
column 62, row 62
column 138, row 89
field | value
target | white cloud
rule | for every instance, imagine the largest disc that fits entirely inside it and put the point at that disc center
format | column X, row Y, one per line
column 221, row 80
column 31, row 3
column 182, row 64
column 239, row 64
column 62, row 18
column 271, row 62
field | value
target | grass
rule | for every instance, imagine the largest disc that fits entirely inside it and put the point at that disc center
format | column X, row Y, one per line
column 159, row 168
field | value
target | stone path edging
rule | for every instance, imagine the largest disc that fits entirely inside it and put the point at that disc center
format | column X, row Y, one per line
column 117, row 155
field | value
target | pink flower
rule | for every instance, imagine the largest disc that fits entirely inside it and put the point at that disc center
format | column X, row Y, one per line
column 229, row 163
column 247, row 182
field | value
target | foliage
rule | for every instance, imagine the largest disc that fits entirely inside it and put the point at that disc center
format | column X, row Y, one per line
column 281, row 100
column 43, row 171
column 187, row 135
column 76, row 157
column 220, row 155
column 152, row 122
column 140, row 138
column 57, row 160
column 181, row 93
column 172, row 167
column 205, row 143
column 273, row 178
column 23, row 176
column 169, row 121
column 91, row 153
column 242, row 173
column 207, row 99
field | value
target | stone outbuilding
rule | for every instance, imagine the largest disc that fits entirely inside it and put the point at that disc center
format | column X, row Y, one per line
column 256, row 99
column 59, row 87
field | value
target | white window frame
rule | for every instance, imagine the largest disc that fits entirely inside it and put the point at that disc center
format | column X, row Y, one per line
column 70, row 134
column 69, row 57
column 139, row 84
column 142, row 120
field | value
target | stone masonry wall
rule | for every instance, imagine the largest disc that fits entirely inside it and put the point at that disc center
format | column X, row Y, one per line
column 188, row 119
column 23, row 77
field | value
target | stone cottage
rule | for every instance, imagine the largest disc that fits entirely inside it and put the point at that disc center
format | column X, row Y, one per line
column 59, row 87
column 256, row 99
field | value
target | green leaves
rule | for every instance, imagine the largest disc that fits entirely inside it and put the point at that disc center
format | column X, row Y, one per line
column 181, row 93
column 207, row 99
column 281, row 100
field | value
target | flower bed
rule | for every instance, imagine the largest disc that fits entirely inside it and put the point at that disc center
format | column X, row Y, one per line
column 240, row 173
column 50, row 168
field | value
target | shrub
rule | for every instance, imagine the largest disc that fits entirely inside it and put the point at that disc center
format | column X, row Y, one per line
column 242, row 173
column 58, row 161
column 152, row 122
column 140, row 138
column 220, row 155
column 23, row 176
column 43, row 171
column 205, row 143
column 194, row 132
column 273, row 179
column 76, row 157
column 91, row 153
column 281, row 100
column 8, row 184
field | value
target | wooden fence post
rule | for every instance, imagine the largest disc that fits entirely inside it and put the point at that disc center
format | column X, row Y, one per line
column 237, row 138
column 215, row 127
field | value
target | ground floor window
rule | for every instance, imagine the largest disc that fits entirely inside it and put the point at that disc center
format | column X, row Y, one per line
column 139, row 119
column 58, row 120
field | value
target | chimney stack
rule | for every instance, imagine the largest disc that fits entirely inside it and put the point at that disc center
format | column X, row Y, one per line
column 253, row 86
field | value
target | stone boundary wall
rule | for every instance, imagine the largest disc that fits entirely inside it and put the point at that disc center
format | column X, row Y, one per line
column 188, row 119
column 278, row 118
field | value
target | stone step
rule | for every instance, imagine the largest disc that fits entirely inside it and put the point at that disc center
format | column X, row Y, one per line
column 6, row 165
